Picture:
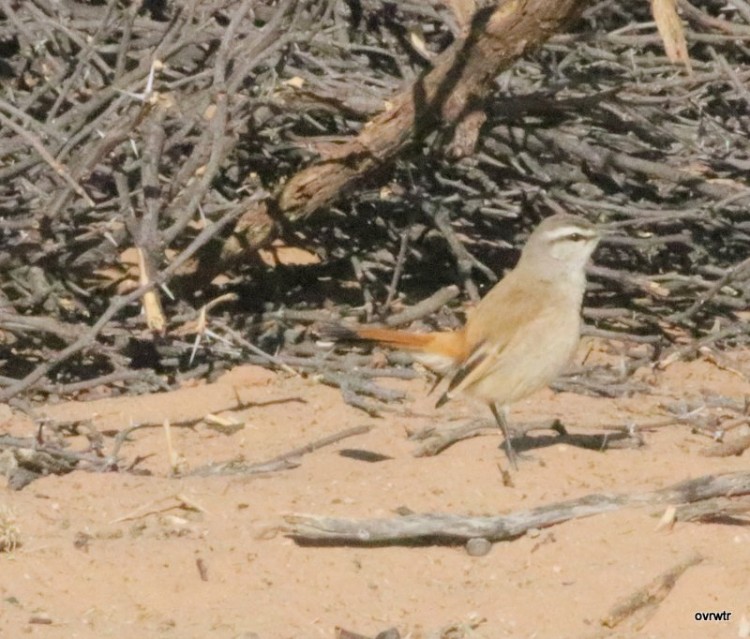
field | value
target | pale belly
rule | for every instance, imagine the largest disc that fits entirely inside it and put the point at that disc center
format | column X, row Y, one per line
column 530, row 362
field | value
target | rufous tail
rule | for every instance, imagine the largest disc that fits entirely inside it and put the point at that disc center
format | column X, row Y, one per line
column 448, row 344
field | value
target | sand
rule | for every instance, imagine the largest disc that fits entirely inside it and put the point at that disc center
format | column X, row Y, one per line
column 128, row 555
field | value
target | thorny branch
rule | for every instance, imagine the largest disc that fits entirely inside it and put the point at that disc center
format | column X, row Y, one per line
column 135, row 128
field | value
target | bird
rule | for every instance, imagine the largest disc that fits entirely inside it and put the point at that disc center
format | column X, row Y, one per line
column 520, row 336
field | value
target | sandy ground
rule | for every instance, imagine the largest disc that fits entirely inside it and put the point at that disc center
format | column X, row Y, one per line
column 122, row 555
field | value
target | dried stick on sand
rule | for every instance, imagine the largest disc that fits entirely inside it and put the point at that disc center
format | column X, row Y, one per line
column 638, row 607
column 284, row 461
column 443, row 527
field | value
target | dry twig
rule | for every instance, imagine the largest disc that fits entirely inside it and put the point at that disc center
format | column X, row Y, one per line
column 456, row 528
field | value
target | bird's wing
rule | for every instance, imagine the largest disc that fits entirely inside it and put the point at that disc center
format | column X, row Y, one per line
column 459, row 374
column 500, row 318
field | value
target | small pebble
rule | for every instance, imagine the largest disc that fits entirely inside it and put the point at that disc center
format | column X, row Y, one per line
column 478, row 547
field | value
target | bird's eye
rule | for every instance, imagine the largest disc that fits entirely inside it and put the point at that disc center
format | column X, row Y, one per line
column 577, row 237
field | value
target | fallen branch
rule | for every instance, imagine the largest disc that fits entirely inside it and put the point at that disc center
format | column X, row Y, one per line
column 436, row 440
column 285, row 461
column 457, row 528
column 24, row 459
column 717, row 509
column 643, row 602
column 735, row 446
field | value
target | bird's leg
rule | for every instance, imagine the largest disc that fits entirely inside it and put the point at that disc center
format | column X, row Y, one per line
column 501, row 417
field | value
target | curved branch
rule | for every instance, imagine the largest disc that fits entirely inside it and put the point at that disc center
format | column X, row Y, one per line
column 461, row 77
